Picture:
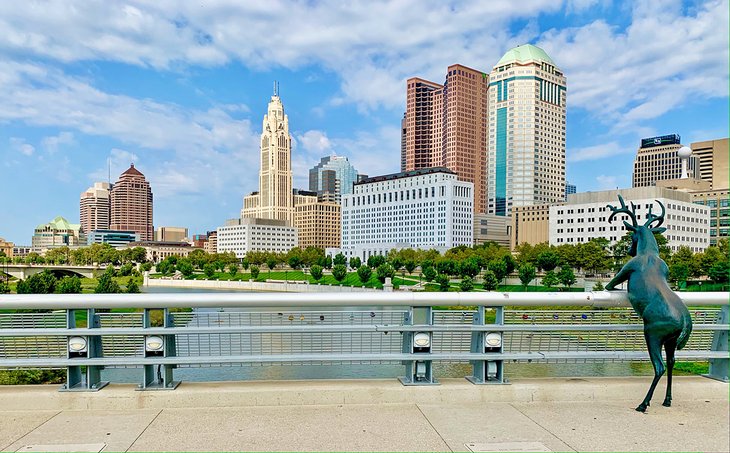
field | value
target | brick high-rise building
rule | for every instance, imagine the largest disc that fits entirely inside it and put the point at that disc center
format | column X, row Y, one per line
column 526, row 145
column 446, row 125
column 131, row 204
column 95, row 207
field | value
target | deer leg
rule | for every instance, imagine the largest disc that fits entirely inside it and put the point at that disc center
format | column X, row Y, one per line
column 655, row 354
column 669, row 346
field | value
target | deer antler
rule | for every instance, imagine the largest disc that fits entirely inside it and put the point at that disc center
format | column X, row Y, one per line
column 652, row 217
column 624, row 210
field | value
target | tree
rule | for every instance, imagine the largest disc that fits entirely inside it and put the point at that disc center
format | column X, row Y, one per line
column 527, row 273
column 69, row 285
column 499, row 268
column 490, row 280
column 232, row 269
column 165, row 267
column 469, row 268
column 146, row 267
column 339, row 272
column 678, row 273
column 254, row 272
column 316, row 271
column 295, row 262
column 375, row 260
column 467, row 284
column 410, row 266
column 566, row 276
column 443, row 281
column 4, row 288
column 384, row 271
column 209, row 270
column 364, row 273
column 719, row 272
column 107, row 285
column 447, row 267
column 185, row 266
column 271, row 263
column 550, row 279
column 325, row 262
column 41, row 283
column 396, row 262
column 339, row 259
column 548, row 260
column 598, row 286
column 245, row 264
column 355, row 262
column 429, row 273
column 132, row 286
column 126, row 270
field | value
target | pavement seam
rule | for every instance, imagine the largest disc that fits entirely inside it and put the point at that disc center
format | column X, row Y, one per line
column 145, row 429
column 21, row 437
column 542, row 427
column 434, row 428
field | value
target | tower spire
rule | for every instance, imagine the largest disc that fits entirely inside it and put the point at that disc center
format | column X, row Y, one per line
column 276, row 88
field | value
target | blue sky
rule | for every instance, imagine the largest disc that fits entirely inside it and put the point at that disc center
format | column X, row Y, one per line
column 181, row 89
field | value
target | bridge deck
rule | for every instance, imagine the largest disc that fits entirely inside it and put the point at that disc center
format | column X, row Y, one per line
column 590, row 414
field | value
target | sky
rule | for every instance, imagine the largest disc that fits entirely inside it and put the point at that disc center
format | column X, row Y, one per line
column 180, row 89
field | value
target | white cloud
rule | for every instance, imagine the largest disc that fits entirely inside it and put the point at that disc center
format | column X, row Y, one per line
column 20, row 145
column 314, row 142
column 607, row 182
column 594, row 152
column 52, row 143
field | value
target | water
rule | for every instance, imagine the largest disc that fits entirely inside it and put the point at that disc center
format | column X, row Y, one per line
column 369, row 371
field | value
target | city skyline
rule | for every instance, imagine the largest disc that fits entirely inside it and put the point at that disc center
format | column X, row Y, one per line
column 181, row 92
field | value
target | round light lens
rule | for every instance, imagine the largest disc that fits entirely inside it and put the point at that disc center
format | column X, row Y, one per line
column 153, row 343
column 422, row 339
column 76, row 344
column 493, row 339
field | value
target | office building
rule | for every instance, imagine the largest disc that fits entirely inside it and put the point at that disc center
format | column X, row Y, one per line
column 492, row 228
column 318, row 224
column 117, row 239
column 95, row 207
column 251, row 234
column 274, row 197
column 131, row 204
column 526, row 142
column 57, row 233
column 21, row 251
column 713, row 161
column 530, row 225
column 211, row 246
column 171, row 234
column 199, row 240
column 585, row 216
column 446, row 125
column 657, row 160
column 718, row 203
column 427, row 208
column 569, row 188
column 332, row 177
column 157, row 251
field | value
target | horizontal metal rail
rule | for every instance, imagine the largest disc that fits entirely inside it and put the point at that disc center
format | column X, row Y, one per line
column 34, row 332
column 303, row 300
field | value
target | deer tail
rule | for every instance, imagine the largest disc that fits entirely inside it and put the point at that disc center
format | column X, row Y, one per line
column 686, row 331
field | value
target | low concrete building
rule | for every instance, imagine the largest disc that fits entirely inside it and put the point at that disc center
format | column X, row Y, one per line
column 158, row 251
column 57, row 233
column 530, row 224
column 246, row 234
column 585, row 216
column 21, row 251
column 117, row 239
column 492, row 228
column 171, row 234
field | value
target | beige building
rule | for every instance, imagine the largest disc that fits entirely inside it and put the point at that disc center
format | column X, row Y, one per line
column 131, row 204
column 718, row 203
column 95, row 207
column 318, row 223
column 274, row 197
column 713, row 161
column 530, row 224
column 158, row 251
column 171, row 234
column 57, row 233
column 657, row 160
column 446, row 126
column 211, row 245
column 526, row 140
column 6, row 247
column 492, row 228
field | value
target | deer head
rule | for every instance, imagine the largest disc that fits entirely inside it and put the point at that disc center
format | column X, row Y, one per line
column 644, row 231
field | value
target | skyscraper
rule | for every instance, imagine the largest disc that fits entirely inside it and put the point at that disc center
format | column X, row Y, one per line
column 713, row 161
column 332, row 177
column 446, row 125
column 131, row 204
column 274, row 199
column 526, row 144
column 657, row 160
column 95, row 207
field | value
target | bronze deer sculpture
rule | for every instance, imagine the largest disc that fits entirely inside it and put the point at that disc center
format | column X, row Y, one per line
column 667, row 321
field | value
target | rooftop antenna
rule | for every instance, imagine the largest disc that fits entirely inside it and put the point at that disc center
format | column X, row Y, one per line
column 276, row 88
column 109, row 170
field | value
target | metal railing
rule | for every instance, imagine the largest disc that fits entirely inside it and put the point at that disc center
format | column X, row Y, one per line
column 486, row 330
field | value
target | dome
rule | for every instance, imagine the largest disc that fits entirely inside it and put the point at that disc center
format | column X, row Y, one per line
column 684, row 152
column 524, row 53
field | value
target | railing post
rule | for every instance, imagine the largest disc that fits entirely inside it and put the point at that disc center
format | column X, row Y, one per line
column 487, row 371
column 83, row 378
column 420, row 370
column 158, row 376
column 719, row 367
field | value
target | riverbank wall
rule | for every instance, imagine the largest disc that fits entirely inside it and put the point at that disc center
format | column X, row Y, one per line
column 278, row 286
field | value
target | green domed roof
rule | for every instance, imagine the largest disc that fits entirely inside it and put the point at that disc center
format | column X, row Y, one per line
column 524, row 53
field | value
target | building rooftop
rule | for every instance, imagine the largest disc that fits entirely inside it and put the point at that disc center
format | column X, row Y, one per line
column 132, row 171
column 59, row 223
column 406, row 174
column 523, row 54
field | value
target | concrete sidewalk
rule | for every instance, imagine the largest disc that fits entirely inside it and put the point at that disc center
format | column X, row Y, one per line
column 595, row 414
